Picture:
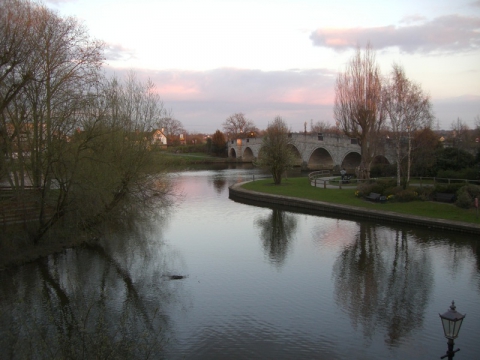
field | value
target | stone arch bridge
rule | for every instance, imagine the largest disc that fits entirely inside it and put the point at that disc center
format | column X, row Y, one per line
column 315, row 152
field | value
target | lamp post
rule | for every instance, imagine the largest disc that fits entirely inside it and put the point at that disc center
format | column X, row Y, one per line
column 451, row 322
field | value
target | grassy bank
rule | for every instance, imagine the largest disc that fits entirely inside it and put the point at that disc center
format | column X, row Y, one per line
column 300, row 188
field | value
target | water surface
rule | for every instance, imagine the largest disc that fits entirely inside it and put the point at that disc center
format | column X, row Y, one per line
column 261, row 283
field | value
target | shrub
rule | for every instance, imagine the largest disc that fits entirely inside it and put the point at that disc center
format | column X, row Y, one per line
column 406, row 195
column 364, row 189
column 378, row 187
column 185, row 149
column 382, row 185
column 382, row 170
column 467, row 173
column 393, row 190
column 447, row 188
column 466, row 195
column 424, row 192
column 464, row 200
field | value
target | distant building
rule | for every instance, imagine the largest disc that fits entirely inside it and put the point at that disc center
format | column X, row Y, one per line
column 159, row 138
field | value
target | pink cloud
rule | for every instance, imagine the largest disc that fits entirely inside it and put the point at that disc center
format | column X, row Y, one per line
column 202, row 100
column 241, row 85
column 452, row 33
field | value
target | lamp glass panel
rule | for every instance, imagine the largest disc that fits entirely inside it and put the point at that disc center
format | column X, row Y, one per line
column 447, row 328
column 456, row 329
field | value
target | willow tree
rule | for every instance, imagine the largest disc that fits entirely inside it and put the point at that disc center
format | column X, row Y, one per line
column 409, row 110
column 81, row 140
column 275, row 153
column 358, row 104
column 17, row 67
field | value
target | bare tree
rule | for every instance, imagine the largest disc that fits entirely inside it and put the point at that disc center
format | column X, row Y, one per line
column 81, row 140
column 275, row 154
column 408, row 110
column 172, row 128
column 17, row 45
column 462, row 136
column 358, row 104
column 238, row 126
column 321, row 127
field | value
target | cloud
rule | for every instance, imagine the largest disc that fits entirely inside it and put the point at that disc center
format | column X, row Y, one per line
column 58, row 2
column 311, row 86
column 445, row 34
column 202, row 100
column 117, row 52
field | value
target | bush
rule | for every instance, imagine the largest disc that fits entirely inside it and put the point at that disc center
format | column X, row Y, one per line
column 447, row 188
column 383, row 170
column 424, row 192
column 364, row 189
column 467, row 173
column 464, row 200
column 186, row 149
column 466, row 195
column 391, row 191
column 378, row 187
column 398, row 193
column 406, row 195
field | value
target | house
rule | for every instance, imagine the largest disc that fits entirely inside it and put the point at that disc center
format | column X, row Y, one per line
column 159, row 138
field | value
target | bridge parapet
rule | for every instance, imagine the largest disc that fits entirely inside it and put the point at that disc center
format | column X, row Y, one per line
column 314, row 151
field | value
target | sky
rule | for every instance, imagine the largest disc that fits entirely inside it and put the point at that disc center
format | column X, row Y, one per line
column 211, row 59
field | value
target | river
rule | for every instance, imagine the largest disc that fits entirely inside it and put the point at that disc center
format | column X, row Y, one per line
column 210, row 278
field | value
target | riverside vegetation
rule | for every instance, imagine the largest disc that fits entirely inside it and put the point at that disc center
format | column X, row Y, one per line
column 301, row 188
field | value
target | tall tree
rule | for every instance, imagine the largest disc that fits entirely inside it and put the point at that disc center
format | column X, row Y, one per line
column 275, row 154
column 17, row 46
column 238, row 126
column 425, row 144
column 81, row 140
column 219, row 143
column 358, row 104
column 409, row 110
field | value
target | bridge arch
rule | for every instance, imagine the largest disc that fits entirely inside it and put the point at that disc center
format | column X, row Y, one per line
column 320, row 158
column 232, row 153
column 351, row 161
column 297, row 155
column 380, row 160
column 248, row 154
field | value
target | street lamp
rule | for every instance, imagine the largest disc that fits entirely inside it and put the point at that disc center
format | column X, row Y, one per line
column 451, row 322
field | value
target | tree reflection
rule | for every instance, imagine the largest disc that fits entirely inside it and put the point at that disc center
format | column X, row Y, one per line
column 383, row 279
column 219, row 184
column 93, row 302
column 276, row 231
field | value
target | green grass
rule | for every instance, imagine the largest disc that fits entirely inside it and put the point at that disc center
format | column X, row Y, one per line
column 300, row 188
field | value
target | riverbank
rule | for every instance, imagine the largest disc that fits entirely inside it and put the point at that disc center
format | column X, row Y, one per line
column 374, row 211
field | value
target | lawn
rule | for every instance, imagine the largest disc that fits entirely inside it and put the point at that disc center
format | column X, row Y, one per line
column 300, row 188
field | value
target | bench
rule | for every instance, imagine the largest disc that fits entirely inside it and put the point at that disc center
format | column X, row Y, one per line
column 373, row 197
column 444, row 197
column 346, row 179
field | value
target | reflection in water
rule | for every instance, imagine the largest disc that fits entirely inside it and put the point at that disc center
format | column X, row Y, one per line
column 383, row 279
column 276, row 232
column 219, row 183
column 114, row 299
column 102, row 301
